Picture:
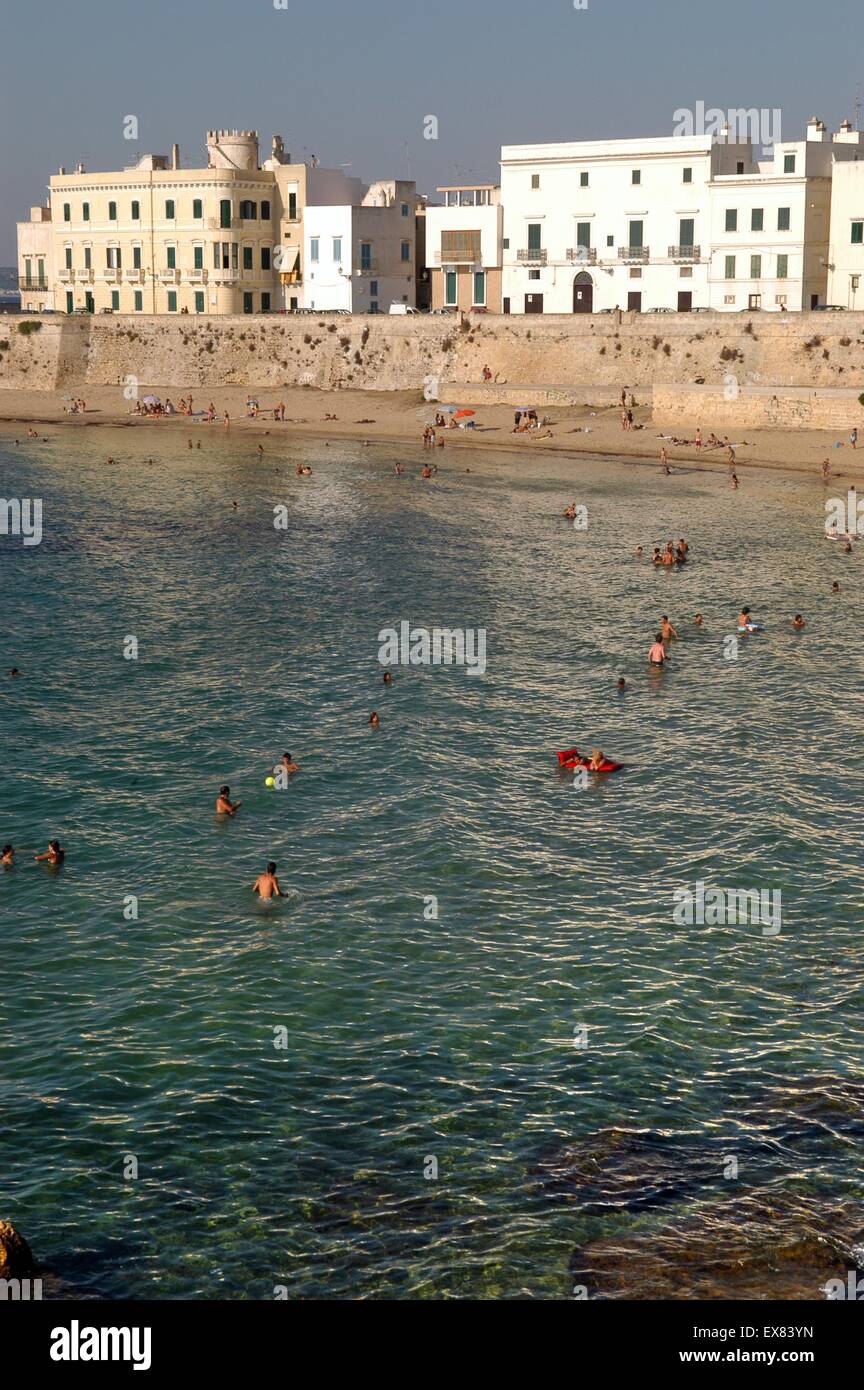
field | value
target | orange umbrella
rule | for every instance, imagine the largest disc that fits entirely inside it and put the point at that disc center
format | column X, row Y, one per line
column 460, row 413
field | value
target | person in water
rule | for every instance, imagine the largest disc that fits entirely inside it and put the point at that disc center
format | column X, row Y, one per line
column 54, row 854
column 596, row 760
column 670, row 633
column 698, row 620
column 798, row 621
column 387, row 678
column 374, row 720
column 744, row 618
column 14, row 673
column 288, row 764
column 266, row 885
column 224, row 805
column 657, row 653
column 835, row 587
column 7, row 859
column 622, row 684
column 657, row 558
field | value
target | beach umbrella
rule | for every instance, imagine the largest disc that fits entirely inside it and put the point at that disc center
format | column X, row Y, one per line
column 151, row 400
column 448, row 409
column 460, row 413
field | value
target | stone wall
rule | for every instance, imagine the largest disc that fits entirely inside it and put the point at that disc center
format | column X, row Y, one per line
column 812, row 350
column 787, row 407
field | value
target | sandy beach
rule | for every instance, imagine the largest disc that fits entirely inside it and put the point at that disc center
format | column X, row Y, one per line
column 399, row 417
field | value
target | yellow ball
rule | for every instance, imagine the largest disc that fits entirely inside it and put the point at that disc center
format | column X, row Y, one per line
column 270, row 782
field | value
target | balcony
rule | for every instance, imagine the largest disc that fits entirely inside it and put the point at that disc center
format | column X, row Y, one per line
column 685, row 253
column 226, row 277
column 586, row 254
column 197, row 276
column 26, row 282
column 85, row 276
column 634, row 253
column 368, row 268
column 135, row 274
column 532, row 255
column 111, row 274
column 169, row 276
column 66, row 273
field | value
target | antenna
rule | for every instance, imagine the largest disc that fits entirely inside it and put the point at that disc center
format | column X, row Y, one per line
column 857, row 121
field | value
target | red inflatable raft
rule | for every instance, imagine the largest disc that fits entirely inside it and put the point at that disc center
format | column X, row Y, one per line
column 572, row 759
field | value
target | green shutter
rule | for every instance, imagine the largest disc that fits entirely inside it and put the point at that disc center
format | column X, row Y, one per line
column 115, row 299
column 136, row 210
column 686, row 228
column 172, row 257
column 479, row 287
column 197, row 208
column 782, row 267
column 857, row 233
column 139, row 300
column 172, row 301
column 636, row 233
column 247, row 258
column 583, row 234
column 730, row 268
column 731, row 219
column 535, row 233
column 198, row 257
column 225, row 212
column 199, row 301
column 451, row 287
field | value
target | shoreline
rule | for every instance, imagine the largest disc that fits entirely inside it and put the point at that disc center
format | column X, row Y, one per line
column 398, row 417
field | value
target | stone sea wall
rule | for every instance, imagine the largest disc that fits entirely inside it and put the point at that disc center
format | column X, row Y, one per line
column 565, row 354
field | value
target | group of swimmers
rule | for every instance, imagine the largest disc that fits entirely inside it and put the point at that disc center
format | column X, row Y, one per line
column 54, row 856
column 672, row 555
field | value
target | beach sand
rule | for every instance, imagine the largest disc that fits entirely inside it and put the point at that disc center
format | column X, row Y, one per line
column 399, row 417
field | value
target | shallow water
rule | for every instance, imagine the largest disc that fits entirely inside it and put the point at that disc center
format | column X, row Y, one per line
column 410, row 1039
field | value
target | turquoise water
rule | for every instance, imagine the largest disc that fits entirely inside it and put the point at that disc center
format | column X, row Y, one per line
column 410, row 1039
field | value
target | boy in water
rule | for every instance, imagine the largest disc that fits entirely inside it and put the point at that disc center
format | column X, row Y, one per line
column 670, row 633
column 54, row 854
column 798, row 621
column 224, row 805
column 657, row 653
column 8, row 856
column 288, row 764
column 267, row 885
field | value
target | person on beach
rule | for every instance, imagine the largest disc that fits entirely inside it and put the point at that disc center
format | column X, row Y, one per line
column 224, row 805
column 853, row 438
column 734, row 481
column 664, row 460
column 798, row 621
column 288, row 765
column 426, row 471
column 657, row 654
column 54, row 855
column 7, row 859
column 731, row 454
column 670, row 633
column 399, row 470
column 266, row 885
column 374, row 721
column 826, row 469
column 226, row 420
column 698, row 440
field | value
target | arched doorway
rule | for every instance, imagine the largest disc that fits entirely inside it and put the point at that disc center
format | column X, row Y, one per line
column 583, row 293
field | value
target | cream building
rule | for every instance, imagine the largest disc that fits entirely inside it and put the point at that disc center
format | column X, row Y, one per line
column 464, row 248
column 156, row 238
column 846, row 247
column 360, row 256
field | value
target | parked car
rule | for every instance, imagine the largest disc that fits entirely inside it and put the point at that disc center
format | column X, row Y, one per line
column 830, row 308
column 448, row 309
column 402, row 309
column 660, row 311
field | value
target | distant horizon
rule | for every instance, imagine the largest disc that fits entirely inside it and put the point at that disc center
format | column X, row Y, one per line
column 360, row 91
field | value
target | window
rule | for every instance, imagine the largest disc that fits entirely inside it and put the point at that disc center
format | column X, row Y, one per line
column 782, row 267
column 113, row 257
column 728, row 299
column 636, row 176
column 788, row 164
column 199, row 301
column 535, row 234
column 85, row 212
column 136, row 210
column 265, row 302
column 171, row 253
column 686, row 229
column 460, row 246
column 533, row 274
column 404, row 209
column 731, row 219
column 67, row 212
column 247, row 303
column 858, row 233
column 480, row 288
column 172, row 301
column 635, row 234
column 136, row 257
column 757, row 219
column 755, row 267
column 170, row 212
column 610, row 241
column 265, row 211
column 783, row 219
column 583, row 234
column 112, row 212
column 292, row 207
column 535, row 180
column 688, row 175
column 234, row 254
column 450, row 287
column 197, row 207
column 225, row 212
column 635, row 272
column 248, row 209
column 265, row 257
column 373, row 307
column 685, row 272
column 505, row 243
column 373, row 288
column 88, row 258
column 406, row 251
column 314, row 248
column 139, row 301
column 337, row 248
column 583, row 179
column 729, row 271
column 27, row 269
column 247, row 258
column 754, row 301
column 115, row 299
column 739, row 169
column 365, row 255
column 198, row 257
column 68, row 257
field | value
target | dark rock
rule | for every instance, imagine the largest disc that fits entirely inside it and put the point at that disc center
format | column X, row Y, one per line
column 16, row 1260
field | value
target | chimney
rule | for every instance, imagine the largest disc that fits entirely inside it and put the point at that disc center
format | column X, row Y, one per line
column 175, row 156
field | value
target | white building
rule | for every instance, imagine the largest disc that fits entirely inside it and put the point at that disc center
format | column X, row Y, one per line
column 464, row 247
column 361, row 256
column 846, row 246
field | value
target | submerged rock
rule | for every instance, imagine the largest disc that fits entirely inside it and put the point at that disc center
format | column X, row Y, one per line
column 16, row 1259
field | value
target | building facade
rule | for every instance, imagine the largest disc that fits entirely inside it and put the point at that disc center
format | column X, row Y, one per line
column 464, row 248
column 846, row 245
column 361, row 257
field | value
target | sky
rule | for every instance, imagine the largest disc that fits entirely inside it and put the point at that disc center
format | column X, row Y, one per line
column 353, row 81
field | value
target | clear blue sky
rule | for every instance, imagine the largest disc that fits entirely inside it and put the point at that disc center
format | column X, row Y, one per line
column 351, row 80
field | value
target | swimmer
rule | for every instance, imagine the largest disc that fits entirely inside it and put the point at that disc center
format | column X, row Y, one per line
column 224, row 805
column 835, row 587
column 7, row 858
column 670, row 633
column 735, row 483
column 744, row 618
column 622, row 684
column 54, row 854
column 596, row 761
column 657, row 654
column 260, row 451
column 639, row 551
column 698, row 620
column 427, row 472
column 288, row 765
column 798, row 621
column 387, row 678
column 657, row 558
column 374, row 720
column 266, row 885
column 847, row 547
column 14, row 673
column 399, row 470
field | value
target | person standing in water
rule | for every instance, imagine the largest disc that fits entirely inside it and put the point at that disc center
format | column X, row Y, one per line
column 657, row 654
column 668, row 631
column 266, row 885
column 7, row 859
column 54, row 855
column 288, row 765
column 224, row 805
